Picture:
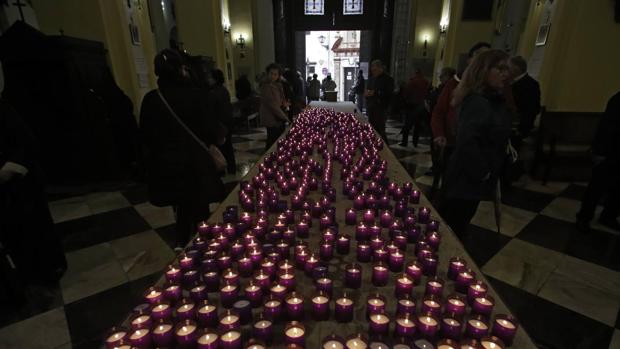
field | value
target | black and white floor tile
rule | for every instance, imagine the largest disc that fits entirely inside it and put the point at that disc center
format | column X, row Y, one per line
column 564, row 286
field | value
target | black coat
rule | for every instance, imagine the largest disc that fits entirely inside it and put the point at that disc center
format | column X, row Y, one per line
column 383, row 85
column 220, row 106
column 178, row 169
column 526, row 95
column 483, row 130
column 607, row 137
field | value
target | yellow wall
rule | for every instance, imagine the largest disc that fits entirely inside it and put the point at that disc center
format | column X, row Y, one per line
column 241, row 21
column 105, row 21
column 427, row 14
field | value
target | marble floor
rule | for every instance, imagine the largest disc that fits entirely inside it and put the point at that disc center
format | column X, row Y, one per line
column 563, row 286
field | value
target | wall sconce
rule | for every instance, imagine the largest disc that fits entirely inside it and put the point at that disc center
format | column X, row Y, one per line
column 426, row 38
column 240, row 42
column 226, row 28
column 443, row 28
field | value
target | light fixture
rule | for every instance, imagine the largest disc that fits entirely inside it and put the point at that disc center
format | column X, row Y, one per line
column 426, row 38
column 321, row 39
column 240, row 42
column 226, row 25
column 443, row 26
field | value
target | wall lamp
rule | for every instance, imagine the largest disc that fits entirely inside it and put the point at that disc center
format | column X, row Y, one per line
column 240, row 42
column 426, row 38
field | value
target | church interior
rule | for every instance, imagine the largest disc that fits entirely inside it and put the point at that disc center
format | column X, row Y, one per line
column 494, row 226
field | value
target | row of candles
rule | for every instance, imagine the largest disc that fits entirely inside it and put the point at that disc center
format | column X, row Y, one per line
column 261, row 250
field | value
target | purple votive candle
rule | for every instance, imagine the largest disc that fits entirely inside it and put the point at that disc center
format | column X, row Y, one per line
column 455, row 266
column 431, row 304
column 350, row 217
column 483, row 305
column 186, row 333
column 375, row 304
column 311, row 263
column 325, row 285
column 428, row 325
column 414, row 198
column 153, row 295
column 302, row 229
column 244, row 309
column 294, row 333
column 262, row 280
column 141, row 320
column 429, row 265
column 405, row 326
column 278, row 290
column 375, row 232
column 320, row 306
column 380, row 274
column 301, row 256
column 344, row 309
column 268, row 267
column 380, row 255
column 224, row 261
column 286, row 266
column 414, row 270
column 272, row 308
column 404, row 285
column 263, row 329
column 434, row 286
column 190, row 277
column 463, row 279
column 231, row 340
column 476, row 289
column 476, row 327
column 433, row 239
column 212, row 281
column 173, row 274
column 186, row 261
column 207, row 339
column 245, row 266
column 424, row 215
column 505, row 328
column 396, row 260
column 116, row 336
column 378, row 324
column 161, row 310
column 186, row 309
column 162, row 334
column 362, row 233
column 364, row 252
column 294, row 306
column 386, row 219
column 405, row 305
column 369, row 217
column 207, row 314
column 287, row 279
column 413, row 234
column 198, row 292
column 326, row 250
column 451, row 326
column 343, row 244
column 172, row 292
column 353, row 276
column 229, row 320
column 455, row 304
column 254, row 294
column 229, row 294
column 283, row 249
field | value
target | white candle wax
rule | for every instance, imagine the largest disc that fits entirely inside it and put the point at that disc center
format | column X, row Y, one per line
column 434, row 283
column 139, row 334
column 405, row 322
column 262, row 324
column 445, row 346
column 185, row 307
column 320, row 299
column 405, row 281
column 344, row 301
column 255, row 346
column 401, row 346
column 456, row 302
column 451, row 322
column 153, row 294
column 294, row 332
column 207, row 338
column 356, row 343
column 185, row 330
column 294, row 300
column 506, row 323
column 140, row 319
column 161, row 307
column 206, row 309
column 229, row 319
column 379, row 318
column 272, row 304
column 162, row 328
column 231, row 336
column 478, row 324
column 252, row 288
column 287, row 276
column 490, row 345
column 229, row 288
column 427, row 320
column 406, row 302
column 380, row 268
column 484, row 301
column 324, row 281
column 431, row 303
column 197, row 288
column 116, row 336
column 278, row 288
column 332, row 345
column 376, row 302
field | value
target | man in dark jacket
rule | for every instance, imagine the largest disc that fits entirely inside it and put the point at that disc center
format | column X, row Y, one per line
column 378, row 97
column 526, row 96
column 219, row 102
column 605, row 172
column 416, row 91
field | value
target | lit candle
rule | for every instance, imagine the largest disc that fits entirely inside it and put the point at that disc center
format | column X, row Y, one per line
column 325, row 285
column 140, row 321
column 350, row 217
column 190, row 277
column 186, row 309
column 491, row 342
column 362, row 233
column 229, row 294
column 353, row 276
column 161, row 310
column 375, row 304
column 455, row 304
column 162, row 334
column 207, row 340
column 505, row 327
column 483, row 305
column 476, row 289
column 244, row 309
column 364, row 252
column 311, row 263
column 450, row 326
column 476, row 327
column 369, row 217
column 302, row 228
column 431, row 304
column 396, row 261
column 424, row 215
column 278, row 290
column 287, row 279
column 153, row 295
column 357, row 341
column 434, row 286
column 326, row 250
column 140, row 338
column 405, row 326
column 414, row 198
column 414, row 270
column 455, row 266
column 185, row 261
column 207, row 314
column 173, row 274
column 429, row 265
column 229, row 320
column 463, row 279
column 186, row 333
column 379, row 324
column 231, row 340
column 272, row 308
column 198, row 292
column 344, row 309
column 294, row 306
column 380, row 275
column 333, row 342
column 448, row 343
column 115, row 336
column 294, row 333
column 343, row 244
column 263, row 329
column 405, row 305
column 428, row 325
column 320, row 306
column 172, row 292
column 261, row 280
column 245, row 266
column 433, row 239
column 404, row 285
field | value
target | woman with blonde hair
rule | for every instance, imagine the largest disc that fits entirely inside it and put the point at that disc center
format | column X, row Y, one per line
column 483, row 130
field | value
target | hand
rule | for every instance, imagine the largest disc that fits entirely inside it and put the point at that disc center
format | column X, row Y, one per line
column 440, row 141
column 6, row 176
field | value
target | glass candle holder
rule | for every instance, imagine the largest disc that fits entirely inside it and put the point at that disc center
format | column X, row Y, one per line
column 272, row 308
column 320, row 306
column 207, row 339
column 294, row 306
column 353, row 276
column 492, row 342
column 326, row 250
column 207, row 314
column 295, row 333
column 115, row 336
column 448, row 343
column 429, row 265
column 378, row 324
column 350, row 216
column 211, row 280
column 455, row 266
column 244, row 309
column 198, row 292
column 162, row 333
column 326, row 285
column 173, row 274
column 476, row 327
column 311, row 263
column 455, row 304
column 434, row 286
column 268, row 267
column 431, row 304
column 368, row 217
column 356, row 341
column 343, row 244
column 286, row 266
column 263, row 329
column 229, row 294
column 343, row 309
column 414, row 270
column 476, row 289
column 483, row 305
column 428, row 325
column 380, row 274
column 173, row 292
column 332, row 341
column 505, row 327
column 153, row 295
column 451, row 326
column 140, row 321
column 254, row 294
column 404, row 285
column 161, row 310
column 229, row 320
column 186, row 333
column 396, row 261
column 463, row 279
column 255, row 344
column 405, row 326
column 287, row 279
column 186, row 309
column 362, row 232
column 231, row 340
column 262, row 280
column 364, row 252
column 245, row 266
column 406, row 305
column 375, row 304
column 278, row 290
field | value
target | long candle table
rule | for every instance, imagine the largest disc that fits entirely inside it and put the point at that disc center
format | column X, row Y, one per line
column 335, row 280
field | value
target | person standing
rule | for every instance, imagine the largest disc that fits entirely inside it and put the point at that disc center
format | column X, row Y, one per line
column 526, row 96
column 329, row 84
column 358, row 89
column 176, row 129
column 483, row 130
column 605, row 171
column 378, row 97
column 416, row 91
column 314, row 88
column 219, row 102
column 273, row 105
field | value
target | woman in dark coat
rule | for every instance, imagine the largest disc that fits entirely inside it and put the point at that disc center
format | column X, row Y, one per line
column 179, row 171
column 483, row 130
column 219, row 102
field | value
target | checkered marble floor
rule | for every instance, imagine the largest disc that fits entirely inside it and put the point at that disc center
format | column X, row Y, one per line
column 562, row 285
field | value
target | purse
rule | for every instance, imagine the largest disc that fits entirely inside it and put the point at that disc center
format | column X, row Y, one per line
column 218, row 158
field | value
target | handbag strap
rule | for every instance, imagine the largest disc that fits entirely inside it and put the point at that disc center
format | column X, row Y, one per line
column 176, row 117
